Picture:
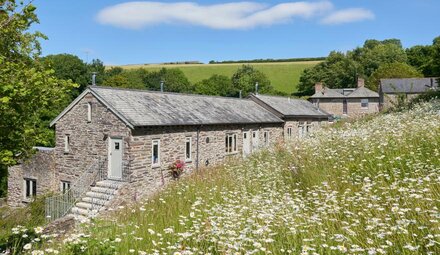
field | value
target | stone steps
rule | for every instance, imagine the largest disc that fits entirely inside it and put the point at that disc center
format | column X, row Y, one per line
column 95, row 199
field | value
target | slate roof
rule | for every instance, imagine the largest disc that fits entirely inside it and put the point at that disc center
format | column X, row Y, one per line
column 149, row 108
column 361, row 92
column 291, row 107
column 408, row 85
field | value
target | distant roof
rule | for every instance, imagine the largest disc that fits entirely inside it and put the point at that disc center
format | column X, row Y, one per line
column 408, row 85
column 150, row 108
column 361, row 92
column 290, row 107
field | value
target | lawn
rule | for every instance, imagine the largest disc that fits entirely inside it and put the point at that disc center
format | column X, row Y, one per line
column 284, row 76
column 363, row 187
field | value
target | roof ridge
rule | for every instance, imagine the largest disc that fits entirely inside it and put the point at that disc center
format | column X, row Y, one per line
column 164, row 92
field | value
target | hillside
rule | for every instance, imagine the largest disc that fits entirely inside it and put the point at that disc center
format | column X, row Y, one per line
column 284, row 76
column 369, row 186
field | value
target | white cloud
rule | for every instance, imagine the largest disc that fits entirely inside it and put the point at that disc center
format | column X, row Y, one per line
column 237, row 15
column 348, row 16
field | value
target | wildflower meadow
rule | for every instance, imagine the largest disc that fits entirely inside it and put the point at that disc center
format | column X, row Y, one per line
column 370, row 186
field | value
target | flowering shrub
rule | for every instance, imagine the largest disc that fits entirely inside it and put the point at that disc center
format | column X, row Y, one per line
column 366, row 187
column 176, row 168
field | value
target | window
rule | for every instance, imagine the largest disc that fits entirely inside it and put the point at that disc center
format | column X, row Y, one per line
column 89, row 112
column 188, row 149
column 66, row 143
column 231, row 143
column 155, row 153
column 364, row 103
column 255, row 142
column 30, row 188
column 289, row 132
column 64, row 186
column 301, row 129
column 266, row 137
column 308, row 127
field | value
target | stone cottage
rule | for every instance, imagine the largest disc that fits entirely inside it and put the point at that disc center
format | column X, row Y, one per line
column 300, row 116
column 405, row 89
column 346, row 102
column 121, row 142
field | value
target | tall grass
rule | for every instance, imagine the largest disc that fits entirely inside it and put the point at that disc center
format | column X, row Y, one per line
column 367, row 187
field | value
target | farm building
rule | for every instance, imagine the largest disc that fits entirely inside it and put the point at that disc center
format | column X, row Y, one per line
column 116, row 145
column 346, row 102
column 393, row 90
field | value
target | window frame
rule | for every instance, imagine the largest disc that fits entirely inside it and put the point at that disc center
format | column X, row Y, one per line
column 66, row 143
column 363, row 103
column 266, row 137
column 289, row 132
column 188, row 141
column 32, row 189
column 89, row 112
column 231, row 143
column 65, row 186
column 153, row 143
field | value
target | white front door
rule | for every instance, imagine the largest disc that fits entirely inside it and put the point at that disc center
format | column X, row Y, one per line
column 255, row 140
column 246, row 143
column 115, row 152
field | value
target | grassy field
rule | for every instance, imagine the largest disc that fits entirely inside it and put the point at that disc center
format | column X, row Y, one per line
column 364, row 187
column 284, row 76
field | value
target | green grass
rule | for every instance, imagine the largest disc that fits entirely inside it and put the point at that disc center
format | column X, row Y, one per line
column 369, row 186
column 284, row 76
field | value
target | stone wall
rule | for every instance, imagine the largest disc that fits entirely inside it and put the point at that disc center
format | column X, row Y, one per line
column 40, row 167
column 391, row 100
column 354, row 109
column 146, row 179
column 89, row 141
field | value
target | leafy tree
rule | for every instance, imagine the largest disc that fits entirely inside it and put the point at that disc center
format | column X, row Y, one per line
column 246, row 77
column 436, row 57
column 174, row 80
column 421, row 57
column 119, row 80
column 29, row 92
column 217, row 85
column 69, row 67
column 393, row 70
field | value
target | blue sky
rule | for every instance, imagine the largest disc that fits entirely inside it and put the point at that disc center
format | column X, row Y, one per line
column 124, row 32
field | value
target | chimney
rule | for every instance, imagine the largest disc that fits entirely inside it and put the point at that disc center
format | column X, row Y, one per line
column 256, row 88
column 161, row 86
column 93, row 78
column 361, row 83
column 318, row 87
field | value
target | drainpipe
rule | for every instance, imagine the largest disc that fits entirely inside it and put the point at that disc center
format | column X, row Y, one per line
column 197, row 148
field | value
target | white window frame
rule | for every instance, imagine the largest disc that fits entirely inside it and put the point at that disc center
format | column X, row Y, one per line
column 289, row 132
column 188, row 154
column 64, row 186
column 153, row 143
column 66, row 143
column 266, row 138
column 89, row 112
column 231, row 146
column 363, row 102
column 301, row 129
column 32, row 184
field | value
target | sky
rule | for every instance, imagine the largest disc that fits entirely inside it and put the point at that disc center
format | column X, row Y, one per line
column 138, row 32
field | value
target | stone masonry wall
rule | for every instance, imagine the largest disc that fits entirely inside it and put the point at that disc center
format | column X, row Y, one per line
column 88, row 140
column 146, row 179
column 354, row 109
column 40, row 167
column 391, row 100
column 295, row 124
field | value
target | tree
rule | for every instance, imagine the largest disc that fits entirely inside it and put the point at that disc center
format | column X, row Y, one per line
column 69, row 67
column 421, row 57
column 174, row 80
column 217, row 85
column 246, row 77
column 393, row 70
column 96, row 66
column 436, row 57
column 29, row 92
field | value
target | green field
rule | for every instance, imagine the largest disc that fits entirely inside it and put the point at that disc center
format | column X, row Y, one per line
column 284, row 76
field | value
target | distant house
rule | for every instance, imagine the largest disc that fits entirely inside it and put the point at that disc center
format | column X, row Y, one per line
column 118, row 144
column 300, row 116
column 347, row 102
column 390, row 90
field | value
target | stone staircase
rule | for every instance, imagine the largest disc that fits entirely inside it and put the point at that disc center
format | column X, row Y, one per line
column 96, row 199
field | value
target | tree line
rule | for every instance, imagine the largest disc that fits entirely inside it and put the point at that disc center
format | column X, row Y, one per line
column 374, row 60
column 267, row 60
